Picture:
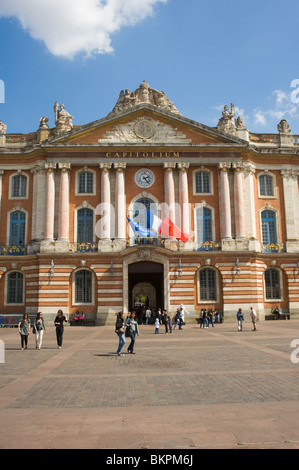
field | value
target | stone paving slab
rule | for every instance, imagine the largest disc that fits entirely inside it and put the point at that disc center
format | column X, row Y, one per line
column 193, row 389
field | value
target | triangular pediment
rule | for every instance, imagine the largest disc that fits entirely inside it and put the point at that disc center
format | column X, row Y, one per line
column 145, row 124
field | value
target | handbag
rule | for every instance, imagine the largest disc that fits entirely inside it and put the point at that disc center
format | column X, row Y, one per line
column 128, row 332
column 120, row 331
column 33, row 329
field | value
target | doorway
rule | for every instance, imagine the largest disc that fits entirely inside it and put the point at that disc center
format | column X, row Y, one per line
column 146, row 285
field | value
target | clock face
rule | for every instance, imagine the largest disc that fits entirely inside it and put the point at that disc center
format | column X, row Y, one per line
column 144, row 178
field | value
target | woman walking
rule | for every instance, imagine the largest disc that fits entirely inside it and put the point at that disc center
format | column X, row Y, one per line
column 134, row 331
column 240, row 318
column 24, row 328
column 59, row 320
column 119, row 330
column 40, row 328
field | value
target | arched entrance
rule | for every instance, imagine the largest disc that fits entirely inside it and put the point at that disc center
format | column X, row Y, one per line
column 146, row 282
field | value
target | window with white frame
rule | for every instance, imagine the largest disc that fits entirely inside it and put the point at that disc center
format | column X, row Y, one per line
column 202, row 182
column 18, row 186
column 269, row 231
column 14, row 288
column 272, row 284
column 83, row 287
column 85, row 182
column 266, row 183
column 207, row 285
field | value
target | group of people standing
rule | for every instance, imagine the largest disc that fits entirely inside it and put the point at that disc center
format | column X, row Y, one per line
column 39, row 328
column 209, row 317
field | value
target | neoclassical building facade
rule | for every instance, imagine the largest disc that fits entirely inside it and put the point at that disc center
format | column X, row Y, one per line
column 69, row 192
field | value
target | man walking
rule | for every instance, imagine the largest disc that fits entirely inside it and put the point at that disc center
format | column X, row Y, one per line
column 253, row 318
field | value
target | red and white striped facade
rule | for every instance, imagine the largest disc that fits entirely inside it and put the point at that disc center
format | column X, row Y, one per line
column 167, row 272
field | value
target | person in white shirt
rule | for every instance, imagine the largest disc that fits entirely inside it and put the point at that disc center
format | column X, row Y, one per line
column 253, row 317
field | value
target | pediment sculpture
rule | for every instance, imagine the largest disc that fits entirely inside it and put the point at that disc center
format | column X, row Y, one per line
column 226, row 123
column 143, row 94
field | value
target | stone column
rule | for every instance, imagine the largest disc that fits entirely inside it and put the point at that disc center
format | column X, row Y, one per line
column 169, row 195
column 224, row 202
column 105, row 223
column 1, row 176
column 184, row 197
column 64, row 202
column 249, row 206
column 291, row 205
column 239, row 201
column 50, row 201
column 120, row 202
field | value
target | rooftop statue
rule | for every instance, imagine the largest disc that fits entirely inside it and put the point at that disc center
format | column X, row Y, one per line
column 143, row 94
column 63, row 120
column 226, row 123
column 283, row 127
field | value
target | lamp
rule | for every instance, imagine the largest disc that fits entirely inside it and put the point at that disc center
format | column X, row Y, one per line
column 51, row 271
column 111, row 268
column 237, row 267
column 180, row 271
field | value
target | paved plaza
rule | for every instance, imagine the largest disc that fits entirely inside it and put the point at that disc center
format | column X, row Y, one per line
column 192, row 389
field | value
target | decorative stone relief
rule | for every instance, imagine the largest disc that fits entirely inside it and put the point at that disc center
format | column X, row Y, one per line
column 143, row 94
column 145, row 130
column 3, row 128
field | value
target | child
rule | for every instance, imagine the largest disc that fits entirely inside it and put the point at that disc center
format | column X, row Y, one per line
column 157, row 326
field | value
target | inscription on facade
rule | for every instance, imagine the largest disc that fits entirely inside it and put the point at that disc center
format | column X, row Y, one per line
column 142, row 154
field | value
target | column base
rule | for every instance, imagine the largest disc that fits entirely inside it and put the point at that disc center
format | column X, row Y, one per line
column 51, row 246
column 112, row 245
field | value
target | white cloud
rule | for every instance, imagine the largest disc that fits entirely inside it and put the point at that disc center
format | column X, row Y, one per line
column 69, row 27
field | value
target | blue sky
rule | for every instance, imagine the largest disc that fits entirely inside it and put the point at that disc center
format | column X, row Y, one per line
column 202, row 53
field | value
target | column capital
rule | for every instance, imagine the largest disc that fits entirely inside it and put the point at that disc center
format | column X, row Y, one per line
column 105, row 166
column 182, row 166
column 248, row 168
column 238, row 166
column 168, row 166
column 224, row 166
column 1, row 172
column 289, row 174
column 64, row 166
column 119, row 166
column 50, row 167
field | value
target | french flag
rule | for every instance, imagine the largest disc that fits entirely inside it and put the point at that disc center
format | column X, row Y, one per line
column 165, row 227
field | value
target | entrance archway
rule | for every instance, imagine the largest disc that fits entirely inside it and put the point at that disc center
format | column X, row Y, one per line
column 146, row 278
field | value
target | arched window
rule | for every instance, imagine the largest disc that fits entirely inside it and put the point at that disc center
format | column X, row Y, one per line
column 85, row 182
column 15, row 288
column 204, row 224
column 83, row 287
column 269, row 227
column 207, row 284
column 17, row 228
column 85, row 225
column 202, row 182
column 18, row 187
column 272, row 282
column 266, row 185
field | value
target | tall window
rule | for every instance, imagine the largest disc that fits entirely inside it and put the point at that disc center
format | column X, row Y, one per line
column 204, row 224
column 85, row 182
column 266, row 185
column 85, row 225
column 83, row 287
column 140, row 208
column 17, row 228
column 18, row 188
column 202, row 182
column 15, row 288
column 269, row 227
column 272, row 282
column 207, row 284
